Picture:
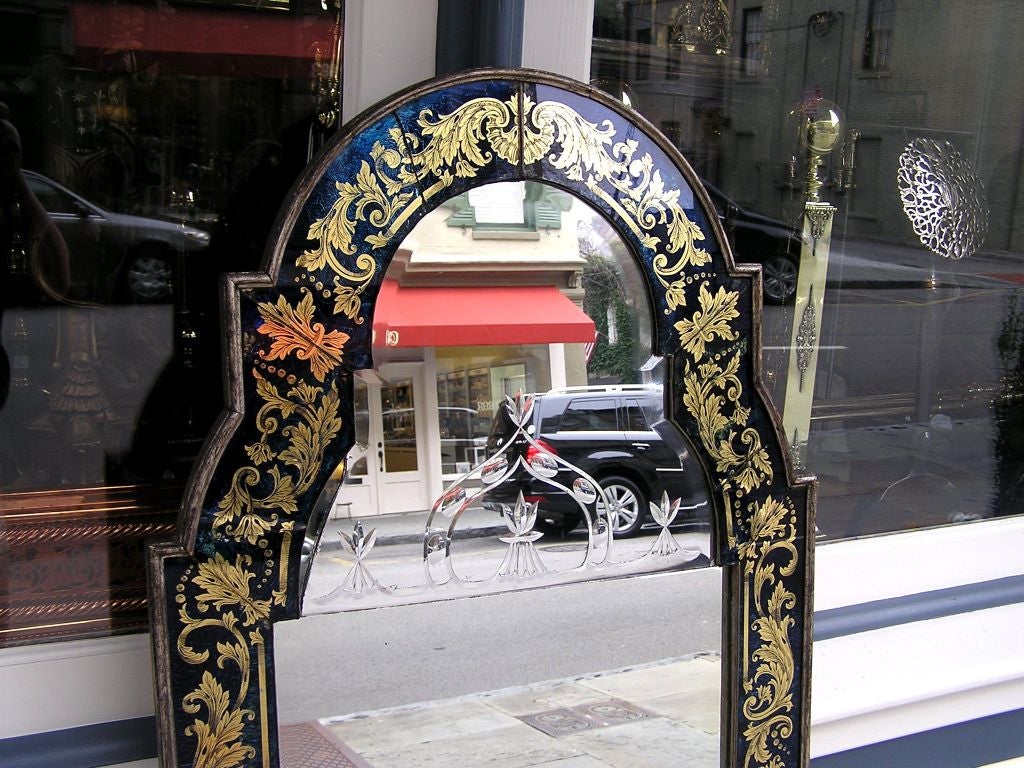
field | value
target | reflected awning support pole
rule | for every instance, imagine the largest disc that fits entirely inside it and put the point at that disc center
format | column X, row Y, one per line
column 821, row 134
column 806, row 332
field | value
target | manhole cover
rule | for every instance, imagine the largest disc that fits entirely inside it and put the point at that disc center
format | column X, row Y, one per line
column 564, row 548
column 585, row 717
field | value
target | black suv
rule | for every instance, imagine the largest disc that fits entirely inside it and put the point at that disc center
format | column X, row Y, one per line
column 618, row 436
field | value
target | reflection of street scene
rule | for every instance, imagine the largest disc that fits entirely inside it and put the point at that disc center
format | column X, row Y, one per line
column 667, row 712
column 523, row 458
column 116, row 257
column 642, row 641
column 913, row 397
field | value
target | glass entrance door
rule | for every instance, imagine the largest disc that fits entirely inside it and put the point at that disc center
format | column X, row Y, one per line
column 385, row 472
column 400, row 481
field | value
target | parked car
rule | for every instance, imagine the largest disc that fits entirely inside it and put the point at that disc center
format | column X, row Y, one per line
column 616, row 434
column 759, row 239
column 115, row 256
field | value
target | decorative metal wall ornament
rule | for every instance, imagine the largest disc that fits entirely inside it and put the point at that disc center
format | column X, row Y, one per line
column 943, row 197
column 701, row 26
column 297, row 332
column 806, row 338
column 819, row 217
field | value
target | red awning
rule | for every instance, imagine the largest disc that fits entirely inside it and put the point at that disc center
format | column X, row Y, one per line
column 470, row 316
column 197, row 40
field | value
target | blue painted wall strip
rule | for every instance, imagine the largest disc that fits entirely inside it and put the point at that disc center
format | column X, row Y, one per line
column 963, row 745
column 850, row 620
column 88, row 746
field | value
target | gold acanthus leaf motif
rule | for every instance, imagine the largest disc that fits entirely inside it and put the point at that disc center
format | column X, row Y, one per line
column 218, row 738
column 348, row 299
column 585, row 147
column 293, row 330
column 768, row 525
column 454, row 140
column 223, row 583
column 771, row 684
column 711, row 321
column 706, row 391
column 238, row 504
column 771, row 701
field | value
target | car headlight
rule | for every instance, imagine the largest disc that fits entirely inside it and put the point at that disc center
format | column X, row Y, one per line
column 197, row 236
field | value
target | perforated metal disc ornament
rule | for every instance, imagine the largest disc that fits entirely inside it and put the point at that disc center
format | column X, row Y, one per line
column 943, row 198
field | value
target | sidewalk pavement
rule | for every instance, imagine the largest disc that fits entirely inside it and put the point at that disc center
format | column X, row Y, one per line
column 654, row 716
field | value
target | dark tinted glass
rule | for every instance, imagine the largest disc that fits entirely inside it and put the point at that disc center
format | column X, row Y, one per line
column 591, row 415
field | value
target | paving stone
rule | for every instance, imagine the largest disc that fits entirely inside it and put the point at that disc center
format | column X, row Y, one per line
column 406, row 728
column 655, row 743
column 518, row 746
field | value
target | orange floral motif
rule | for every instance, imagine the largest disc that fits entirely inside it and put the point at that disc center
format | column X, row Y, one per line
column 293, row 330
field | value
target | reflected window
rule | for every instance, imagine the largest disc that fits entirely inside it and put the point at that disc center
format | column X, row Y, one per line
column 878, row 37
column 635, row 421
column 753, row 35
column 399, row 426
column 589, row 416
column 51, row 198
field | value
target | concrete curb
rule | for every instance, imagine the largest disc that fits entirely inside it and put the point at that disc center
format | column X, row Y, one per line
column 334, row 542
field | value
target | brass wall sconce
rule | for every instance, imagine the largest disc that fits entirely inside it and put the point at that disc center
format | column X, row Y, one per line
column 844, row 176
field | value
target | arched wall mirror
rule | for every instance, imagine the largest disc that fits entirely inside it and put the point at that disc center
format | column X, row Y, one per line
column 310, row 385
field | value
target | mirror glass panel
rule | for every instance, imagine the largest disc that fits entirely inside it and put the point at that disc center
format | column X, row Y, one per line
column 513, row 444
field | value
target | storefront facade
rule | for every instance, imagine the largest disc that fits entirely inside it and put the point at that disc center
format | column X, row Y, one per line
column 509, row 261
column 169, row 113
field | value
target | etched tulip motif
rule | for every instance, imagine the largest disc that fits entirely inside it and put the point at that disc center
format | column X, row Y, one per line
column 359, row 580
column 522, row 557
column 664, row 514
column 520, row 408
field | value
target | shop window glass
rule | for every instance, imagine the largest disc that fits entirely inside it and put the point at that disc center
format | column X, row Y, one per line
column 472, row 384
column 904, row 357
column 146, row 149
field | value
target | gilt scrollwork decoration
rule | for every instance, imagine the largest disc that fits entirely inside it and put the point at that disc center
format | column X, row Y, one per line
column 759, row 530
column 459, row 145
column 296, row 422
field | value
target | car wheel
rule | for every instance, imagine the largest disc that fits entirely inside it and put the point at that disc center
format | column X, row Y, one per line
column 779, row 275
column 629, row 502
column 149, row 275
